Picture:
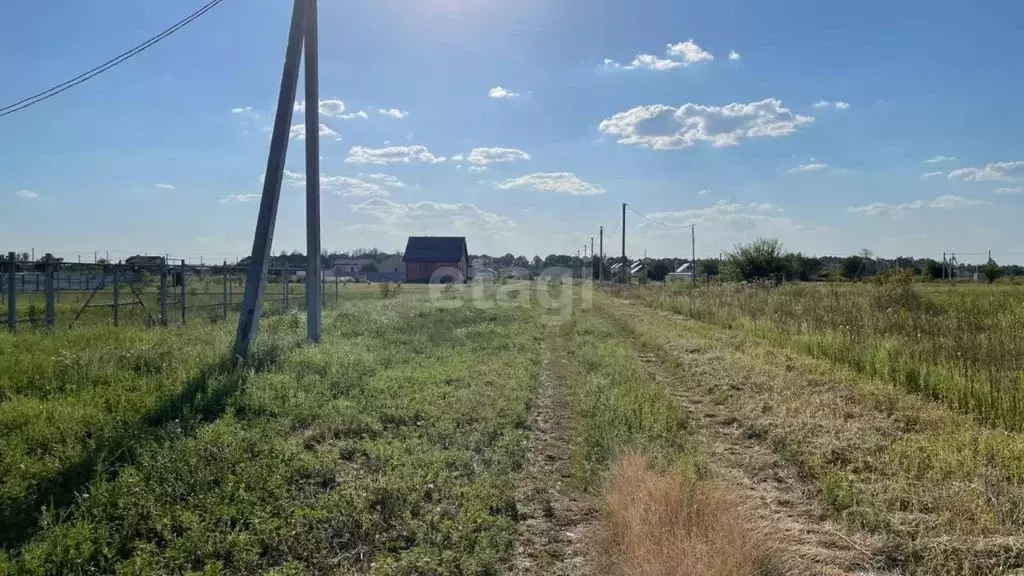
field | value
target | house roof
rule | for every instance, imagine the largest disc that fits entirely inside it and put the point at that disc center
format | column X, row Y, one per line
column 683, row 268
column 436, row 249
column 637, row 267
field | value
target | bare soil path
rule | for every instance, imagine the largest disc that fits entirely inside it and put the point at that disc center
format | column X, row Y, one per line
column 555, row 539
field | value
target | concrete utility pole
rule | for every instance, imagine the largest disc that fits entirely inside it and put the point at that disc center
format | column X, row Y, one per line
column 625, row 269
column 693, row 252
column 252, row 300
column 591, row 257
column 600, row 260
column 314, row 298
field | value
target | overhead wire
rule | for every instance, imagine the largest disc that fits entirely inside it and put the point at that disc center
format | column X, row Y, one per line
column 113, row 62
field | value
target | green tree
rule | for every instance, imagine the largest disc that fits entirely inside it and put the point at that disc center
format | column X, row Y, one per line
column 803, row 268
column 852, row 266
column 762, row 259
column 992, row 271
column 932, row 269
column 659, row 270
column 709, row 267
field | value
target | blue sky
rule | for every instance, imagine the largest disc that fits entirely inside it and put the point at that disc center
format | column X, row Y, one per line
column 818, row 132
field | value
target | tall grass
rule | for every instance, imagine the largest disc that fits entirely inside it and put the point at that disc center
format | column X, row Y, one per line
column 962, row 345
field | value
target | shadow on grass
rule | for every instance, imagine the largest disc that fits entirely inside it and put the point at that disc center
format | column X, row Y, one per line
column 202, row 399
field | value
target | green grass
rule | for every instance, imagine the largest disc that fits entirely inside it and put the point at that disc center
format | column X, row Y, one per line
column 961, row 344
column 620, row 407
column 390, row 449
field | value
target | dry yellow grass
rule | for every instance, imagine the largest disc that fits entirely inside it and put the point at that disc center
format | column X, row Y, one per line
column 663, row 524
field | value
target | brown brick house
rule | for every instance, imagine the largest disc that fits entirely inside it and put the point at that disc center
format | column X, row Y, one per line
column 425, row 255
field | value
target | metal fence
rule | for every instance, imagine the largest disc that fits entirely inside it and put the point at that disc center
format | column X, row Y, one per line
column 49, row 294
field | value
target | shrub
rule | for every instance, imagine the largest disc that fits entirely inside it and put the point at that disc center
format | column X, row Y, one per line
column 762, row 259
column 389, row 290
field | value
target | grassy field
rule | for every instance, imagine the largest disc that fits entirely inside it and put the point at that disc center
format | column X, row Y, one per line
column 393, row 448
column 934, row 491
column 491, row 430
column 961, row 344
column 390, row 449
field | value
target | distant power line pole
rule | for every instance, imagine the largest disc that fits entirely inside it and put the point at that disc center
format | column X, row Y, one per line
column 600, row 260
column 693, row 252
column 625, row 270
column 304, row 20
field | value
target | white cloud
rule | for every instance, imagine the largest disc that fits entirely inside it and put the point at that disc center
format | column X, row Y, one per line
column 1016, row 190
column 501, row 93
column 808, row 167
column 946, row 202
column 721, row 213
column 332, row 108
column 387, row 180
column 392, row 155
column 478, row 169
column 932, row 174
column 27, row 194
column 734, row 55
column 560, row 182
column 362, row 115
column 432, row 216
column 346, row 186
column 298, row 132
column 293, row 178
column 392, row 112
column 662, row 127
column 162, row 186
column 652, row 62
column 838, row 104
column 245, row 111
column 240, row 198
column 689, row 52
column 703, row 192
column 997, row 171
column 457, row 158
column 485, row 156
column 939, row 158
column 951, row 202
column 679, row 54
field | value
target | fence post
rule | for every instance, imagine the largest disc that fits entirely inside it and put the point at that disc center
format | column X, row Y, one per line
column 48, row 284
column 163, row 293
column 117, row 292
column 225, row 290
column 12, row 309
column 182, row 281
column 285, row 280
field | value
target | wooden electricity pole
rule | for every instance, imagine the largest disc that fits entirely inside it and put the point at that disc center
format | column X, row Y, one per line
column 600, row 261
column 304, row 20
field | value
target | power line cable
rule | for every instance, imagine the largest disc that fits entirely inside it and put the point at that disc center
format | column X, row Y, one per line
column 649, row 219
column 115, row 61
